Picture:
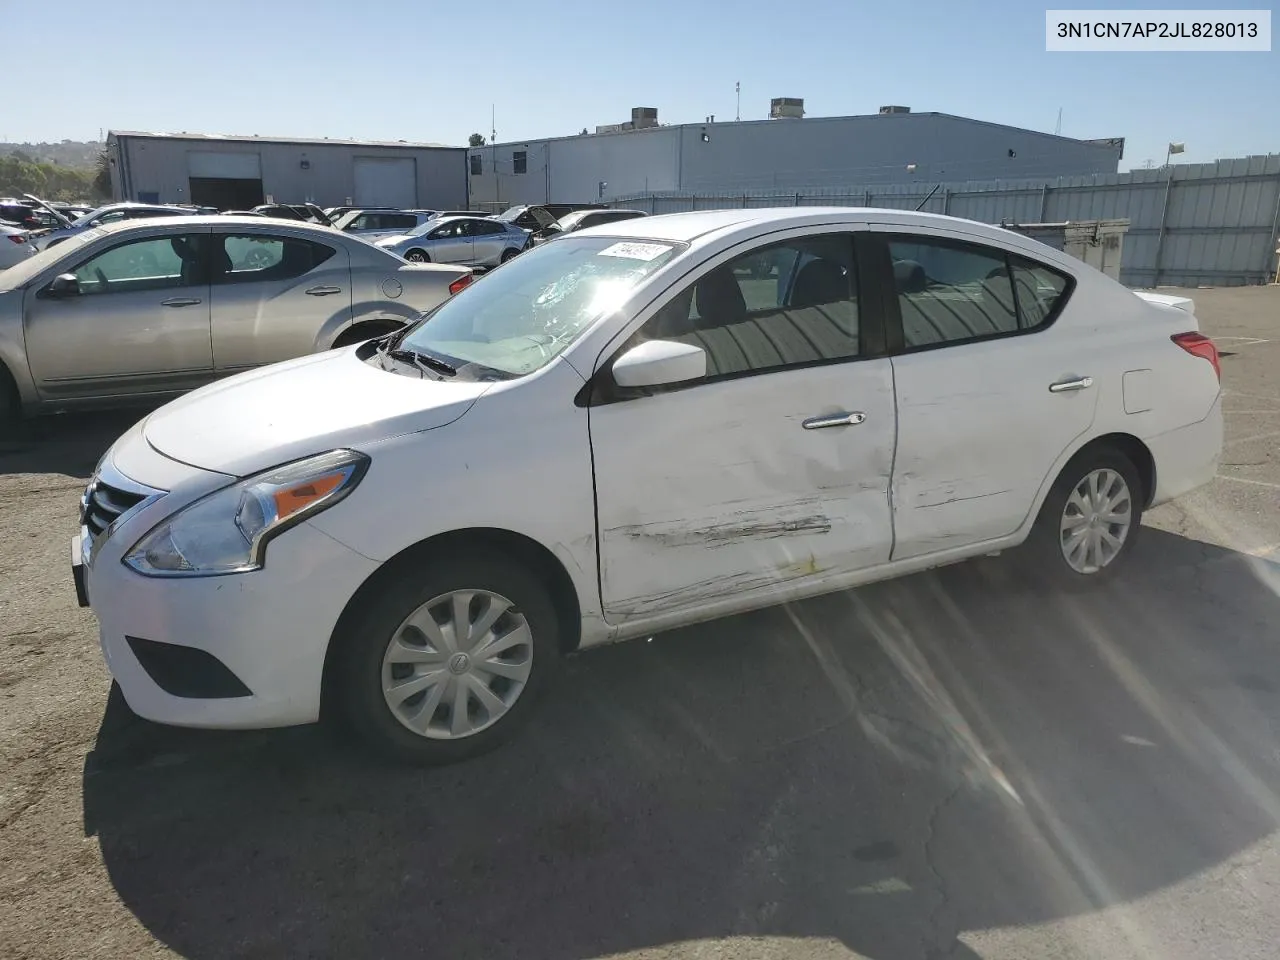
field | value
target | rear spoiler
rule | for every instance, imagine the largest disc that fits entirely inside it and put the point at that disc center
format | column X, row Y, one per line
column 1185, row 304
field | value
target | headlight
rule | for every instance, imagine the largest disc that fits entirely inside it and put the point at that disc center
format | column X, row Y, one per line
column 228, row 530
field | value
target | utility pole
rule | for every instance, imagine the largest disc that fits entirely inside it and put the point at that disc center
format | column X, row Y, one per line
column 737, row 90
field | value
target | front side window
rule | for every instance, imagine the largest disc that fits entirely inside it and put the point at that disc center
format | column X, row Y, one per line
column 447, row 231
column 156, row 263
column 519, row 161
column 250, row 258
column 953, row 292
column 785, row 305
column 518, row 319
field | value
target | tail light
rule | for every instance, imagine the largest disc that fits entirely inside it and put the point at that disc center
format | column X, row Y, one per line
column 18, row 237
column 461, row 283
column 1198, row 345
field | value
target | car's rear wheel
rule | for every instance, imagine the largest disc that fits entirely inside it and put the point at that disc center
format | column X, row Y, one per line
column 417, row 256
column 1089, row 521
column 509, row 254
column 10, row 406
column 446, row 661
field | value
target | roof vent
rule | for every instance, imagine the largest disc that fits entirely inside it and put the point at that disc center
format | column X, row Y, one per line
column 786, row 108
column 885, row 111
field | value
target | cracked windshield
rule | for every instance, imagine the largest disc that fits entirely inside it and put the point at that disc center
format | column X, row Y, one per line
column 664, row 481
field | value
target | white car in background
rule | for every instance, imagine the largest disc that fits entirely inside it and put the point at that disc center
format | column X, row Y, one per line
column 15, row 246
column 627, row 430
column 372, row 225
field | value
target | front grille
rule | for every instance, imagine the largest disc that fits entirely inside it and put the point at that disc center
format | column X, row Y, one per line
column 102, row 503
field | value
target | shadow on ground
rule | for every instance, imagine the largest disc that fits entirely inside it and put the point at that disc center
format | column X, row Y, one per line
column 888, row 767
column 69, row 444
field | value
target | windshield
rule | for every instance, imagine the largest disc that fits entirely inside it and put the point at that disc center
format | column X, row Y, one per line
column 520, row 317
column 510, row 214
column 343, row 221
column 22, row 272
column 570, row 221
column 429, row 224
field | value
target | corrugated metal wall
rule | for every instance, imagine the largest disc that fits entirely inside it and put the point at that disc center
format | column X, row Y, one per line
column 1207, row 224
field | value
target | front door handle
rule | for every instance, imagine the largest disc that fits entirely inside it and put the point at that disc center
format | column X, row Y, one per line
column 181, row 302
column 322, row 291
column 1067, row 386
column 834, row 420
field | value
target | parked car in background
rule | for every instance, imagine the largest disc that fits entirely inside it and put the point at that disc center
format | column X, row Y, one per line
column 462, row 213
column 477, row 241
column 15, row 246
column 138, row 309
column 372, row 224
column 536, row 218
column 306, row 212
column 581, row 219
column 19, row 213
column 909, row 391
column 111, row 213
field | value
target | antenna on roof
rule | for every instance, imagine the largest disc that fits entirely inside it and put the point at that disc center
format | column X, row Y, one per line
column 920, row 205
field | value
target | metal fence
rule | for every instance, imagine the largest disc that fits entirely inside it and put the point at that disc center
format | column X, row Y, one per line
column 1206, row 224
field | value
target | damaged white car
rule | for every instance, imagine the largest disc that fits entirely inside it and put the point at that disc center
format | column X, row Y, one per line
column 630, row 429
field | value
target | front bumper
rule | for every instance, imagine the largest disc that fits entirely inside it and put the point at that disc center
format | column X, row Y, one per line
column 268, row 630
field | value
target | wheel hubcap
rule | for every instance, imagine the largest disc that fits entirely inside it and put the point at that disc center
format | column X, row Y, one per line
column 1096, row 521
column 457, row 664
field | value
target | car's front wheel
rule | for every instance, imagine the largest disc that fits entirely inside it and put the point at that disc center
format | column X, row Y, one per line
column 1089, row 521
column 417, row 256
column 446, row 661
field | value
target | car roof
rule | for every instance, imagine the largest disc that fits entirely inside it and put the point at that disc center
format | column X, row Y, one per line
column 690, row 227
column 216, row 220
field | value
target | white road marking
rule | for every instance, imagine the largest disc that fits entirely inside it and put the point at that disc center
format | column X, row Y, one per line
column 1256, row 483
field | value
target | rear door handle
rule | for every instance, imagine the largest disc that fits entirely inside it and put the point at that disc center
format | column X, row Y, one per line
column 834, row 420
column 322, row 291
column 1067, row 386
column 181, row 302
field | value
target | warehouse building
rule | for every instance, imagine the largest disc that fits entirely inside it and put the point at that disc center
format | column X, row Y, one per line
column 239, row 172
column 784, row 153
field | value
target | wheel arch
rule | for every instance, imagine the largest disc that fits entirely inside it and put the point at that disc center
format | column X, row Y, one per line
column 1131, row 446
column 529, row 553
column 366, row 330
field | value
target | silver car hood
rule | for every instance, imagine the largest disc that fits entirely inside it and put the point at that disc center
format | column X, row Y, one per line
column 290, row 410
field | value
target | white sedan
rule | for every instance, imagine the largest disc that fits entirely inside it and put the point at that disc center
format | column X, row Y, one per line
column 633, row 428
column 15, row 246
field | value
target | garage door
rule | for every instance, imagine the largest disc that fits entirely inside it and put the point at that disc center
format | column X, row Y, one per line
column 386, row 183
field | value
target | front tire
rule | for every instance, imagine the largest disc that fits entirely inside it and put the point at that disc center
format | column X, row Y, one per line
column 1088, row 523
column 417, row 256
column 446, row 661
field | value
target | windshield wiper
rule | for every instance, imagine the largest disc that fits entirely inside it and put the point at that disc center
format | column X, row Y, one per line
column 424, row 361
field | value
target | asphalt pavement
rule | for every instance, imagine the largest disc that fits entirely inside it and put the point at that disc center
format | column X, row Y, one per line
column 947, row 765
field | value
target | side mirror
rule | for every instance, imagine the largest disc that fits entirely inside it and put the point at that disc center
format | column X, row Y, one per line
column 659, row 362
column 64, row 285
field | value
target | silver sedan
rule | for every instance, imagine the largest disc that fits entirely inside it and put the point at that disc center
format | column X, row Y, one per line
column 476, row 241
column 145, row 309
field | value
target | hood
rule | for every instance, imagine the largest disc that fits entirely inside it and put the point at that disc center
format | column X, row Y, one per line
column 391, row 240
column 290, row 410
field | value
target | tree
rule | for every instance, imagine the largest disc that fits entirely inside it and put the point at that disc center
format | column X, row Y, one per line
column 102, row 177
column 475, row 140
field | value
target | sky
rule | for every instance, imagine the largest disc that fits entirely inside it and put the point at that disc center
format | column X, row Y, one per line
column 432, row 70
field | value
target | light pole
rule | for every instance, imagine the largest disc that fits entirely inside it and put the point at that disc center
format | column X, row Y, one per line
column 1174, row 148
column 737, row 92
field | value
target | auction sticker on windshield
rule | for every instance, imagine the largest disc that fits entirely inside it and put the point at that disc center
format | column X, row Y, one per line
column 636, row 251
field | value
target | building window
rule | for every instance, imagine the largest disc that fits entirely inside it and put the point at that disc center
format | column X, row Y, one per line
column 519, row 161
column 475, row 164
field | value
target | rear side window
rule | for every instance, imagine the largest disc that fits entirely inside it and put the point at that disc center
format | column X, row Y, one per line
column 398, row 221
column 251, row 258
column 955, row 292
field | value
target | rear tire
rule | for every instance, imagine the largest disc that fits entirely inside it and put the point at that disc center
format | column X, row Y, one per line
column 509, row 254
column 1088, row 523
column 418, row 256
column 460, row 703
